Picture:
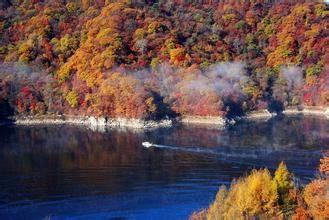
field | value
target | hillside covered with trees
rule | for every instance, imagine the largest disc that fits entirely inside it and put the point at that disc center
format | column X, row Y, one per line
column 152, row 59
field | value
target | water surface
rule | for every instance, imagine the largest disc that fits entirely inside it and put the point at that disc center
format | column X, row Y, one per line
column 67, row 172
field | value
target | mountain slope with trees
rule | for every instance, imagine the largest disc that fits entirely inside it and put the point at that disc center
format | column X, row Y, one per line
column 151, row 59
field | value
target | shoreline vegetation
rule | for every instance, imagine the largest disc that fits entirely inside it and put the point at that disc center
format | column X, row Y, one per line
column 159, row 59
column 102, row 122
column 260, row 195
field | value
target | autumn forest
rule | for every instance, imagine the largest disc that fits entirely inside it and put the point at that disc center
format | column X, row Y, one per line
column 153, row 59
column 147, row 64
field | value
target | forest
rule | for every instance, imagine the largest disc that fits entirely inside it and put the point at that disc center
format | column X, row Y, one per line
column 156, row 59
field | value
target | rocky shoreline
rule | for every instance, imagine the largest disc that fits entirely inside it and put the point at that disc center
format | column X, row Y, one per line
column 317, row 111
column 259, row 115
column 96, row 123
column 262, row 115
column 100, row 123
column 205, row 120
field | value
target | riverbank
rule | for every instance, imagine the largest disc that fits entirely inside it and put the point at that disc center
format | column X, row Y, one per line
column 100, row 123
column 259, row 115
column 205, row 120
column 316, row 111
column 290, row 111
column 97, row 123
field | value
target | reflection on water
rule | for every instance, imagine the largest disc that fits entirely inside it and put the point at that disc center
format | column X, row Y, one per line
column 64, row 171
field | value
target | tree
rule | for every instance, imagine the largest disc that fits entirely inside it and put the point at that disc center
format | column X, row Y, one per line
column 254, row 196
column 316, row 198
column 72, row 98
column 87, row 40
column 285, row 186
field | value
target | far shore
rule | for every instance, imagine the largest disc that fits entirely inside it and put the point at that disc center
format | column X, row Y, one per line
column 90, row 121
column 102, row 122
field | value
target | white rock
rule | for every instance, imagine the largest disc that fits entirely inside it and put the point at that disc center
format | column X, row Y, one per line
column 326, row 112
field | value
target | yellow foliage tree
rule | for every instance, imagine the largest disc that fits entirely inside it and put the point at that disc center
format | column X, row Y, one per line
column 123, row 96
column 99, row 52
column 177, row 55
column 252, row 196
column 285, row 184
column 258, row 196
column 72, row 98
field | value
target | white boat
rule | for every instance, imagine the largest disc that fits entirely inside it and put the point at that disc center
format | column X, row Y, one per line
column 147, row 144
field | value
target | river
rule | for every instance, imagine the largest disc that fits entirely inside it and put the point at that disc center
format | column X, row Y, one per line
column 72, row 172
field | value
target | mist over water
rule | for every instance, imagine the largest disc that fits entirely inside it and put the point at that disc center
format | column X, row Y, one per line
column 74, row 172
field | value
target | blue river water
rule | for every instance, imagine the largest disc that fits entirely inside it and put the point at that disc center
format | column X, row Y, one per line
column 68, row 172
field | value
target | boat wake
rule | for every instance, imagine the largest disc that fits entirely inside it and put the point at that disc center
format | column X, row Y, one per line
column 186, row 149
column 249, row 156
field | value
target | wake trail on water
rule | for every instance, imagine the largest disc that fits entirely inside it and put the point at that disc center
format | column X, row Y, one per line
column 187, row 149
column 237, row 156
column 207, row 152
